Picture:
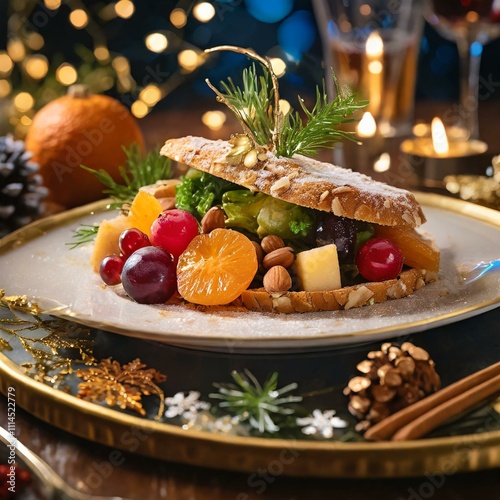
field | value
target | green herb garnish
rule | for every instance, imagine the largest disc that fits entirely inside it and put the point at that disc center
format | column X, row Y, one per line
column 257, row 108
column 84, row 234
column 139, row 171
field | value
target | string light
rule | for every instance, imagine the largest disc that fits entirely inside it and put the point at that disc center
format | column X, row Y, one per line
column 5, row 88
column 78, row 18
column 66, row 74
column 178, row 18
column 6, row 64
column 188, row 59
column 156, row 42
column 139, row 109
column 124, row 9
column 24, row 101
column 150, row 95
column 204, row 12
column 37, row 66
column 214, row 120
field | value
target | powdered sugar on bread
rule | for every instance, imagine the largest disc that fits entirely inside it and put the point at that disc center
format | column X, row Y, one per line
column 304, row 181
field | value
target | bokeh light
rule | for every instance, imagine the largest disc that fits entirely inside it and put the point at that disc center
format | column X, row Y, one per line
column 139, row 109
column 35, row 41
column 66, row 74
column 156, row 42
column 52, row 4
column 6, row 64
column 297, row 33
column 24, row 101
column 121, row 64
column 124, row 9
column 16, row 50
column 37, row 66
column 214, row 120
column 101, row 53
column 204, row 12
column 178, row 18
column 188, row 59
column 269, row 12
column 78, row 18
column 150, row 95
column 5, row 88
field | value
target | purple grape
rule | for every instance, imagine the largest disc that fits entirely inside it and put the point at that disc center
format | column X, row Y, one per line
column 338, row 230
column 149, row 275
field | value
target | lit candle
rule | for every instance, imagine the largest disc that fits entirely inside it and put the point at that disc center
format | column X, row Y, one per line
column 437, row 156
column 373, row 73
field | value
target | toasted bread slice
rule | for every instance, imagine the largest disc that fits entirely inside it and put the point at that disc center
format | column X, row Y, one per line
column 343, row 298
column 304, row 181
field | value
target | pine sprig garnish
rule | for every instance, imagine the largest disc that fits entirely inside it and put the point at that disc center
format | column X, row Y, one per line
column 262, row 405
column 139, row 171
column 253, row 103
column 319, row 130
column 257, row 108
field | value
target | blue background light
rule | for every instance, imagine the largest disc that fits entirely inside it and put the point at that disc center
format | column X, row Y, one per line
column 297, row 33
column 269, row 11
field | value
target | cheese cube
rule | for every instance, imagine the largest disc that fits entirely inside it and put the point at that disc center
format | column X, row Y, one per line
column 318, row 269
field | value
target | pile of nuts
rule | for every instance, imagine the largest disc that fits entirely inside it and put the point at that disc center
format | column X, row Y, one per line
column 272, row 254
column 393, row 378
column 276, row 258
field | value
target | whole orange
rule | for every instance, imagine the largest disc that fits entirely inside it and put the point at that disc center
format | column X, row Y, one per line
column 80, row 129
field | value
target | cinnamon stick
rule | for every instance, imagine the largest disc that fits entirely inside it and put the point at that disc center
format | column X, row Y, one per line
column 435, row 417
column 385, row 430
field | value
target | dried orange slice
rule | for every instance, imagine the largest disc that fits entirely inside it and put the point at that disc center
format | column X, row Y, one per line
column 216, row 268
column 144, row 210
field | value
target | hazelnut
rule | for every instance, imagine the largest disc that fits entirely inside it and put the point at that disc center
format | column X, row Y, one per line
column 279, row 257
column 213, row 219
column 258, row 251
column 277, row 280
column 271, row 242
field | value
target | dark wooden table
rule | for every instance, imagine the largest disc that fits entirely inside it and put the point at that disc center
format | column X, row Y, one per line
column 86, row 465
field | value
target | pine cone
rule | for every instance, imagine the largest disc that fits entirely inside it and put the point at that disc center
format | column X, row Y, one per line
column 21, row 192
column 393, row 378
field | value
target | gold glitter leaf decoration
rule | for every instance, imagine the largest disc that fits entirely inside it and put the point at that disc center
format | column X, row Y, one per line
column 5, row 346
column 121, row 386
column 50, row 365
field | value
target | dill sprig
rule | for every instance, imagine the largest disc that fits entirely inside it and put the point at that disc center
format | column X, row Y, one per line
column 84, row 234
column 256, row 106
column 262, row 405
column 139, row 171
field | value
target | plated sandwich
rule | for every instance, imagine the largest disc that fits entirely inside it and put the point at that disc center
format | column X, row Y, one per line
column 261, row 225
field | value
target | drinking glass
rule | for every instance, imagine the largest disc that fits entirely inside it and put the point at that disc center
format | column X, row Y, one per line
column 372, row 46
column 470, row 24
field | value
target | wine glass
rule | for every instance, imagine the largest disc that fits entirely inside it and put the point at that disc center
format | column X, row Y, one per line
column 471, row 24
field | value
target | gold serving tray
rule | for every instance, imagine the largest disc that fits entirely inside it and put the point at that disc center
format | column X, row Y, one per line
column 304, row 457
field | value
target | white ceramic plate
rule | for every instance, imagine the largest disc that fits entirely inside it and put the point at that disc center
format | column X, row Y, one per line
column 37, row 262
